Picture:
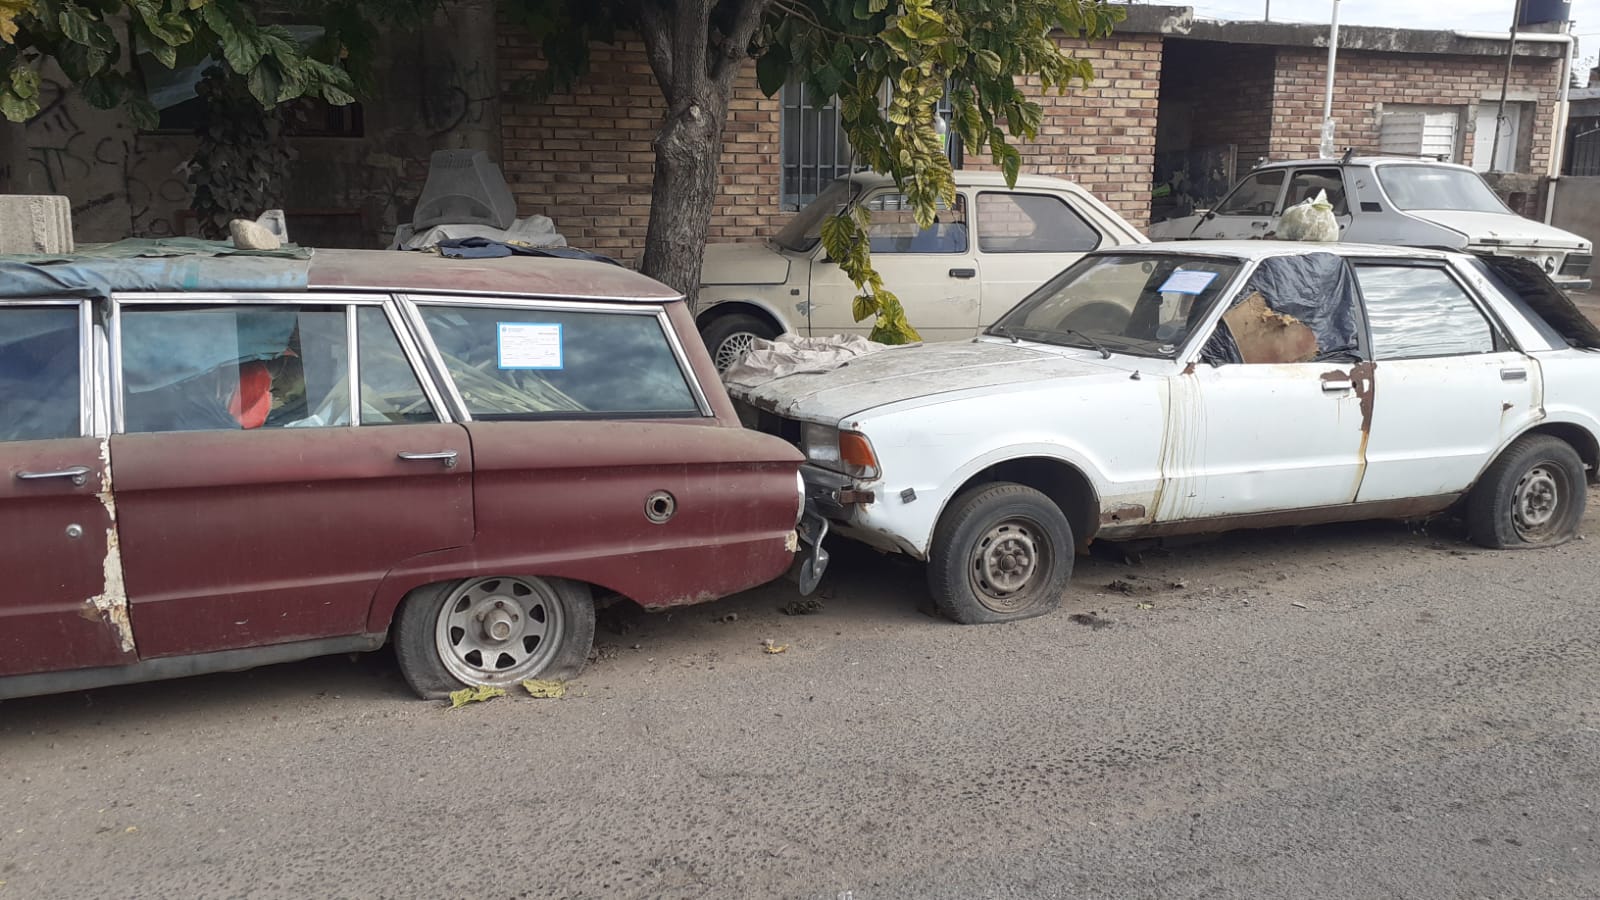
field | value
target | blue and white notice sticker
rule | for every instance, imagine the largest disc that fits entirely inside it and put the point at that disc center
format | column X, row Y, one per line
column 1188, row 282
column 530, row 345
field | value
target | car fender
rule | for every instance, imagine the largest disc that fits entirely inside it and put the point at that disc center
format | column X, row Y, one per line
column 711, row 308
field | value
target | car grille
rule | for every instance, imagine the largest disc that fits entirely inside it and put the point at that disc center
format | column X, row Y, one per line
column 1577, row 265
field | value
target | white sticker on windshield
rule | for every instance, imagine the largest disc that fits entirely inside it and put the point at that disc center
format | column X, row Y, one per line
column 1188, row 282
column 530, row 345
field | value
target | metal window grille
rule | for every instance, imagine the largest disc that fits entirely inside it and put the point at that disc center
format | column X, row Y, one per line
column 1584, row 156
column 815, row 149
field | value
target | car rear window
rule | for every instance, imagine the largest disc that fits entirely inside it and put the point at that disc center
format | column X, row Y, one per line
column 39, row 381
column 526, row 363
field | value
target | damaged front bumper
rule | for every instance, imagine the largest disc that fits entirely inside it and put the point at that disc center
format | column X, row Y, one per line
column 830, row 498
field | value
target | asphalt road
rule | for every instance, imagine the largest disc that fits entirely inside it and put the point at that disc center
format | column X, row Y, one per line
column 1340, row 712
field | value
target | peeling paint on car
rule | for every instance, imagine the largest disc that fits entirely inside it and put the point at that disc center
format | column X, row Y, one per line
column 112, row 601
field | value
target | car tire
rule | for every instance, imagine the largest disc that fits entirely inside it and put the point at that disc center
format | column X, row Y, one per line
column 729, row 337
column 1533, row 495
column 445, row 634
column 1000, row 553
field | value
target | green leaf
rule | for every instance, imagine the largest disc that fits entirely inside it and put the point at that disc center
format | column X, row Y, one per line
column 264, row 84
column 24, row 81
column 863, row 306
column 15, row 108
column 772, row 71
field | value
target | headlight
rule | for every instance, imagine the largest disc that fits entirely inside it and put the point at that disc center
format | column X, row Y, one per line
column 842, row 451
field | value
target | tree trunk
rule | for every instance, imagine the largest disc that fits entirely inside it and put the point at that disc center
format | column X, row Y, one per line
column 688, row 150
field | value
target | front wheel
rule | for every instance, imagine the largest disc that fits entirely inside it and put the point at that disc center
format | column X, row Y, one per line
column 1532, row 496
column 1001, row 552
column 495, row 630
column 730, row 337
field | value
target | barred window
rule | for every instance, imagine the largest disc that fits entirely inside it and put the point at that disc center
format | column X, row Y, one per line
column 815, row 149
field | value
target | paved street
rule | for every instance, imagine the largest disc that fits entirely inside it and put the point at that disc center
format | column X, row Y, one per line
column 1348, row 711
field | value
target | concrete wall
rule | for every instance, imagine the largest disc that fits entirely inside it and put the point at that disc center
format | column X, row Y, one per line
column 1577, row 206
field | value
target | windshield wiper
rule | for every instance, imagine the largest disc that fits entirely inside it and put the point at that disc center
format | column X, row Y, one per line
column 1104, row 353
column 1005, row 332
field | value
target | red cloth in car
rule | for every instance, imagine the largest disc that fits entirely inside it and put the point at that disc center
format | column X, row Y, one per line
column 252, row 400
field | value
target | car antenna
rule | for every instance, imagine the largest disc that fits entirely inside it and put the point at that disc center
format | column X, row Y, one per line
column 1349, row 154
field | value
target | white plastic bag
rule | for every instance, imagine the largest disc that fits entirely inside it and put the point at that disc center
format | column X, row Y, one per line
column 1309, row 220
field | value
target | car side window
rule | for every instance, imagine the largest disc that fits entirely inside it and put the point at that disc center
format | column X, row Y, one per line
column 1031, row 223
column 894, row 227
column 203, row 367
column 390, row 391
column 530, row 363
column 40, row 377
column 1257, row 195
column 1417, row 312
column 1307, row 183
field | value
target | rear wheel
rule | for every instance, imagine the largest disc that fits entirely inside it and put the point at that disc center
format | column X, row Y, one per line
column 730, row 337
column 495, row 630
column 1532, row 496
column 1001, row 552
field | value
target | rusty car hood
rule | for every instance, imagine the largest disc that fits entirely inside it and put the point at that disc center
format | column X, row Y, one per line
column 908, row 373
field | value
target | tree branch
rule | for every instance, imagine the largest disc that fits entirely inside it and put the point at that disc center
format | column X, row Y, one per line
column 736, row 45
column 655, row 29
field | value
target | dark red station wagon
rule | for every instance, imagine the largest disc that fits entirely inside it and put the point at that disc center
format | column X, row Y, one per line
column 212, row 462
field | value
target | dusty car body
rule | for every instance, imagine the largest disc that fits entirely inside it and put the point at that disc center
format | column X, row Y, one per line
column 1388, row 200
column 1200, row 387
column 188, row 483
column 969, row 268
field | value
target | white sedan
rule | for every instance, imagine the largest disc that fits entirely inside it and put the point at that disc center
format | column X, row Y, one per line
column 1200, row 387
column 982, row 255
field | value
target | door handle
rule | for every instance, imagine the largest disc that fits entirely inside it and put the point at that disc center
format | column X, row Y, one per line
column 78, row 474
column 448, row 457
column 963, row 273
column 1337, row 387
column 1513, row 374
column 1258, row 225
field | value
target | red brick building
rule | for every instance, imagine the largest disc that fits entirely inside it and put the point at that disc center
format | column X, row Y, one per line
column 1167, row 83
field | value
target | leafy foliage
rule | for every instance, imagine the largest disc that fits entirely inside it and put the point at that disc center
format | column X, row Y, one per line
column 241, row 164
column 888, row 65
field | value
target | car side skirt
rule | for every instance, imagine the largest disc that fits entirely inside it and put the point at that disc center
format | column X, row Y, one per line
column 183, row 666
column 1409, row 508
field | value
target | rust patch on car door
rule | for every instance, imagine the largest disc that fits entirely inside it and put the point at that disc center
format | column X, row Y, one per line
column 112, row 601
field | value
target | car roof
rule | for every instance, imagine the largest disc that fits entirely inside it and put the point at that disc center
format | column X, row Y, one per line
column 973, row 178
column 187, row 265
column 1263, row 249
column 1367, row 161
column 546, row 277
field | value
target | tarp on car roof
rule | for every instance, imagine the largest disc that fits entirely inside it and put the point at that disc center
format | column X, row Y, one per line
column 160, row 264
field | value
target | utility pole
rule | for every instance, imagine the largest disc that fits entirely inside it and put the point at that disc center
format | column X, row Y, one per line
column 1505, row 86
column 1267, row 16
column 1327, row 106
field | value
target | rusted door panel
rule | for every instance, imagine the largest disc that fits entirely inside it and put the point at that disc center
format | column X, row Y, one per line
column 1437, row 422
column 61, row 605
column 1258, row 438
column 569, row 499
column 236, row 539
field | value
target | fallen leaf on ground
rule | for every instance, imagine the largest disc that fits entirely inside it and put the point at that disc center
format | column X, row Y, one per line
column 130, row 829
column 768, row 646
column 478, row 694
column 1147, row 606
column 537, row 687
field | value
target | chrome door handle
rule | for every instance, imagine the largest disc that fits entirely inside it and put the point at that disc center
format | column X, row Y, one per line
column 963, row 273
column 1513, row 374
column 448, row 457
column 1337, row 387
column 78, row 474
column 1258, row 225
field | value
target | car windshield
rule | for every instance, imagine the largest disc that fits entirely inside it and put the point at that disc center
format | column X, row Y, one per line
column 1438, row 187
column 1142, row 304
column 805, row 229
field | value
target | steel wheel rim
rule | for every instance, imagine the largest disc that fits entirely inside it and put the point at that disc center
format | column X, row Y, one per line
column 499, row 630
column 1007, row 562
column 1536, row 503
column 734, row 347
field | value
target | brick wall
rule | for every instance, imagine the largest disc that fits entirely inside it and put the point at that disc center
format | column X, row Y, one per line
column 1365, row 82
column 584, row 158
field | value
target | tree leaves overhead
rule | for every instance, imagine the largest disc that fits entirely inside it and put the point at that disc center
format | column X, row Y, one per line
column 90, row 39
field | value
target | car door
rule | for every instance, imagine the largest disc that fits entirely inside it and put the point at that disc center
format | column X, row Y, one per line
column 258, row 501
column 1450, row 388
column 1269, row 427
column 934, row 271
column 597, row 454
column 1306, row 184
column 1247, row 211
column 61, row 607
column 1024, row 240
